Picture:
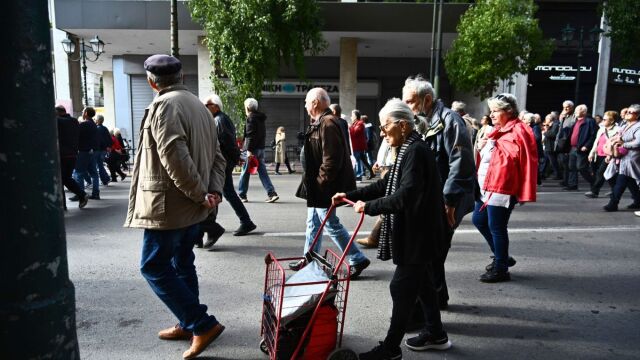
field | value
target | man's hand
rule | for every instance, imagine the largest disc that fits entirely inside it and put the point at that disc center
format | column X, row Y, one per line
column 451, row 215
column 211, row 200
column 590, row 158
column 376, row 167
column 249, row 154
column 359, row 207
column 584, row 149
column 338, row 198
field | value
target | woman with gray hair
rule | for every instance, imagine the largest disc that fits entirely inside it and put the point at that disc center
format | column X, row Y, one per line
column 410, row 197
column 507, row 174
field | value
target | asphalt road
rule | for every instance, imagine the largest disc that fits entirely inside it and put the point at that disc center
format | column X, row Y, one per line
column 574, row 294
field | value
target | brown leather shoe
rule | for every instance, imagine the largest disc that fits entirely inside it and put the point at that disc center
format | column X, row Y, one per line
column 366, row 242
column 200, row 342
column 175, row 333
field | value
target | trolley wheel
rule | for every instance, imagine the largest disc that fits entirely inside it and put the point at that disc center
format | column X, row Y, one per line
column 263, row 347
column 343, row 354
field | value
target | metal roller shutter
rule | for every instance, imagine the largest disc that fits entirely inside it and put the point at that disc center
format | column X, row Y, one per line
column 289, row 113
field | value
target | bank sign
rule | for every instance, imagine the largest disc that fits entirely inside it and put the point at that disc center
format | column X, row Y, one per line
column 300, row 89
column 621, row 76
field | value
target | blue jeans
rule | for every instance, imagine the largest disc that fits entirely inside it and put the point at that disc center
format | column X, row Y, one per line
column 359, row 170
column 86, row 164
column 243, row 185
column 492, row 223
column 100, row 156
column 336, row 231
column 167, row 265
column 230, row 194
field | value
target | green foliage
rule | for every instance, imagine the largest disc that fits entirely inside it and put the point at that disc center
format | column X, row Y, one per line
column 623, row 17
column 249, row 39
column 497, row 38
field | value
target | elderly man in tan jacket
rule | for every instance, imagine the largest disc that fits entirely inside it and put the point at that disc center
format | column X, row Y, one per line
column 177, row 181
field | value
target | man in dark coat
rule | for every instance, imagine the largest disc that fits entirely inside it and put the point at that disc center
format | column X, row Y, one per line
column 446, row 134
column 68, row 129
column 412, row 232
column 327, row 170
column 87, row 146
column 104, row 146
column 254, row 138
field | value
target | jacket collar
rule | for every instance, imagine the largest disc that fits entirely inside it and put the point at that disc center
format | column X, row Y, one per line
column 172, row 88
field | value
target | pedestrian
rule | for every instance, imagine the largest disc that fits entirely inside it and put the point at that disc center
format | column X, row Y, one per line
column 485, row 129
column 177, row 181
column 563, row 139
column 447, row 136
column 231, row 152
column 254, row 142
column 597, row 154
column 114, row 159
column 281, row 151
column 327, row 170
column 104, row 147
column 88, row 153
column 506, row 174
column 68, row 130
column 550, row 129
column 582, row 137
column 344, row 125
column 359, row 145
column 530, row 119
column 412, row 231
column 372, row 140
column 628, row 146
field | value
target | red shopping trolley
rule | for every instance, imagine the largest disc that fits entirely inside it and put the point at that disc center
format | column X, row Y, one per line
column 303, row 316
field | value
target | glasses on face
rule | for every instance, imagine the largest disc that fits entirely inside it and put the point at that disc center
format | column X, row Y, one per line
column 631, row 112
column 384, row 127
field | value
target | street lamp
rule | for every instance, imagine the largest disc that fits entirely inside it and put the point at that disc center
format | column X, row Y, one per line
column 96, row 47
column 594, row 37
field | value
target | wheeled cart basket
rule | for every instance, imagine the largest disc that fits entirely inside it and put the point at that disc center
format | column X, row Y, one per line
column 303, row 316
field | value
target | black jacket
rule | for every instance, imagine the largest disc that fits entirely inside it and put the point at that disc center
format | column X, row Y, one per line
column 587, row 134
column 104, row 137
column 68, row 132
column 550, row 136
column 417, row 234
column 88, row 138
column 255, row 131
column 327, row 166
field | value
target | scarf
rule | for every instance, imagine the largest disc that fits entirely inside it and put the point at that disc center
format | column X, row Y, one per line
column 384, row 244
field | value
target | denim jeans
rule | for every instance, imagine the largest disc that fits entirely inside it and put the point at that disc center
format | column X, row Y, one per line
column 622, row 183
column 100, row 156
column 243, row 185
column 86, row 164
column 578, row 162
column 229, row 193
column 492, row 223
column 167, row 265
column 336, row 231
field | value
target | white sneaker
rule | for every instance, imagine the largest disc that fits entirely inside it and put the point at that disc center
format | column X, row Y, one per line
column 637, row 213
column 272, row 198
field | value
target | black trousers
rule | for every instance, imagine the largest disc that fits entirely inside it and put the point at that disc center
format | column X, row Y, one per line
column 439, row 279
column 67, row 164
column 114, row 163
column 411, row 282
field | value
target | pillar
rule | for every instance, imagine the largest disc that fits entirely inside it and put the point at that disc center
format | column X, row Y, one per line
column 205, row 87
column 600, row 90
column 348, row 74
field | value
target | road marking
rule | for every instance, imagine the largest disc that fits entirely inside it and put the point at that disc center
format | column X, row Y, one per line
column 581, row 229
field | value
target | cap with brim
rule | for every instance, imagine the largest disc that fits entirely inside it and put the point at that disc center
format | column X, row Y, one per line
column 162, row 64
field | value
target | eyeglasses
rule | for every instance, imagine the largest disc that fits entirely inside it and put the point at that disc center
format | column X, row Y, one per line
column 632, row 112
column 384, row 127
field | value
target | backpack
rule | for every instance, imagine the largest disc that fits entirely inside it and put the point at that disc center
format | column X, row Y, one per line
column 227, row 139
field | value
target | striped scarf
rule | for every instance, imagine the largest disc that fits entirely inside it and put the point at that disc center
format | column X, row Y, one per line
column 384, row 245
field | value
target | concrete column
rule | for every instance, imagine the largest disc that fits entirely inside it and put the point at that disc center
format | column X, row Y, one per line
column 602, row 81
column 122, row 99
column 109, row 101
column 348, row 74
column 205, row 86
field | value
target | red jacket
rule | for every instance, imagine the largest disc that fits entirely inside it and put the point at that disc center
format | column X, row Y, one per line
column 513, row 168
column 358, row 137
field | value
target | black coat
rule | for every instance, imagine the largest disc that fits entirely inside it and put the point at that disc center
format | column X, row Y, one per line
column 88, row 138
column 104, row 137
column 255, row 131
column 68, row 133
column 417, row 234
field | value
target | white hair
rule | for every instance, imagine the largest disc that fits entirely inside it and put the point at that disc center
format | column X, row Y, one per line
column 419, row 85
column 458, row 106
column 504, row 101
column 251, row 104
column 529, row 118
column 396, row 109
column 634, row 107
column 163, row 81
column 214, row 99
column 567, row 102
column 582, row 109
column 319, row 94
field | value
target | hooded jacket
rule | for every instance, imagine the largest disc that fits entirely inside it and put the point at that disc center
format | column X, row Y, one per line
column 513, row 168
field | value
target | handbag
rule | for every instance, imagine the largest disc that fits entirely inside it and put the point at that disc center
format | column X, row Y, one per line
column 611, row 170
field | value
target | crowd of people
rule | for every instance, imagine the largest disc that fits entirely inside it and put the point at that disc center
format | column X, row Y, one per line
column 85, row 146
column 435, row 165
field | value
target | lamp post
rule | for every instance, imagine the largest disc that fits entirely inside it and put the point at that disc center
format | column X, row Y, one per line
column 96, row 47
column 567, row 37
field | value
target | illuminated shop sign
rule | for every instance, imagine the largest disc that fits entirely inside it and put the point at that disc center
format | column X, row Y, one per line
column 561, row 72
column 300, row 88
column 622, row 76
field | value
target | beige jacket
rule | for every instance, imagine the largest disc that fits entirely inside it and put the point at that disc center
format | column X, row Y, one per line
column 177, row 163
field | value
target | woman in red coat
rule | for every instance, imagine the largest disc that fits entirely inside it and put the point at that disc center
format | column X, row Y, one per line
column 507, row 174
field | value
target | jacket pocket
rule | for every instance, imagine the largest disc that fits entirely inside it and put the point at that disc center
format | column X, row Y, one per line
column 147, row 139
column 151, row 200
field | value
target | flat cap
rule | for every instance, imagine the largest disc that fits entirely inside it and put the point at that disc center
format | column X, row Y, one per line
column 161, row 64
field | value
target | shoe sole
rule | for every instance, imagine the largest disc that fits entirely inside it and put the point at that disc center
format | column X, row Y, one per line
column 492, row 281
column 441, row 347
